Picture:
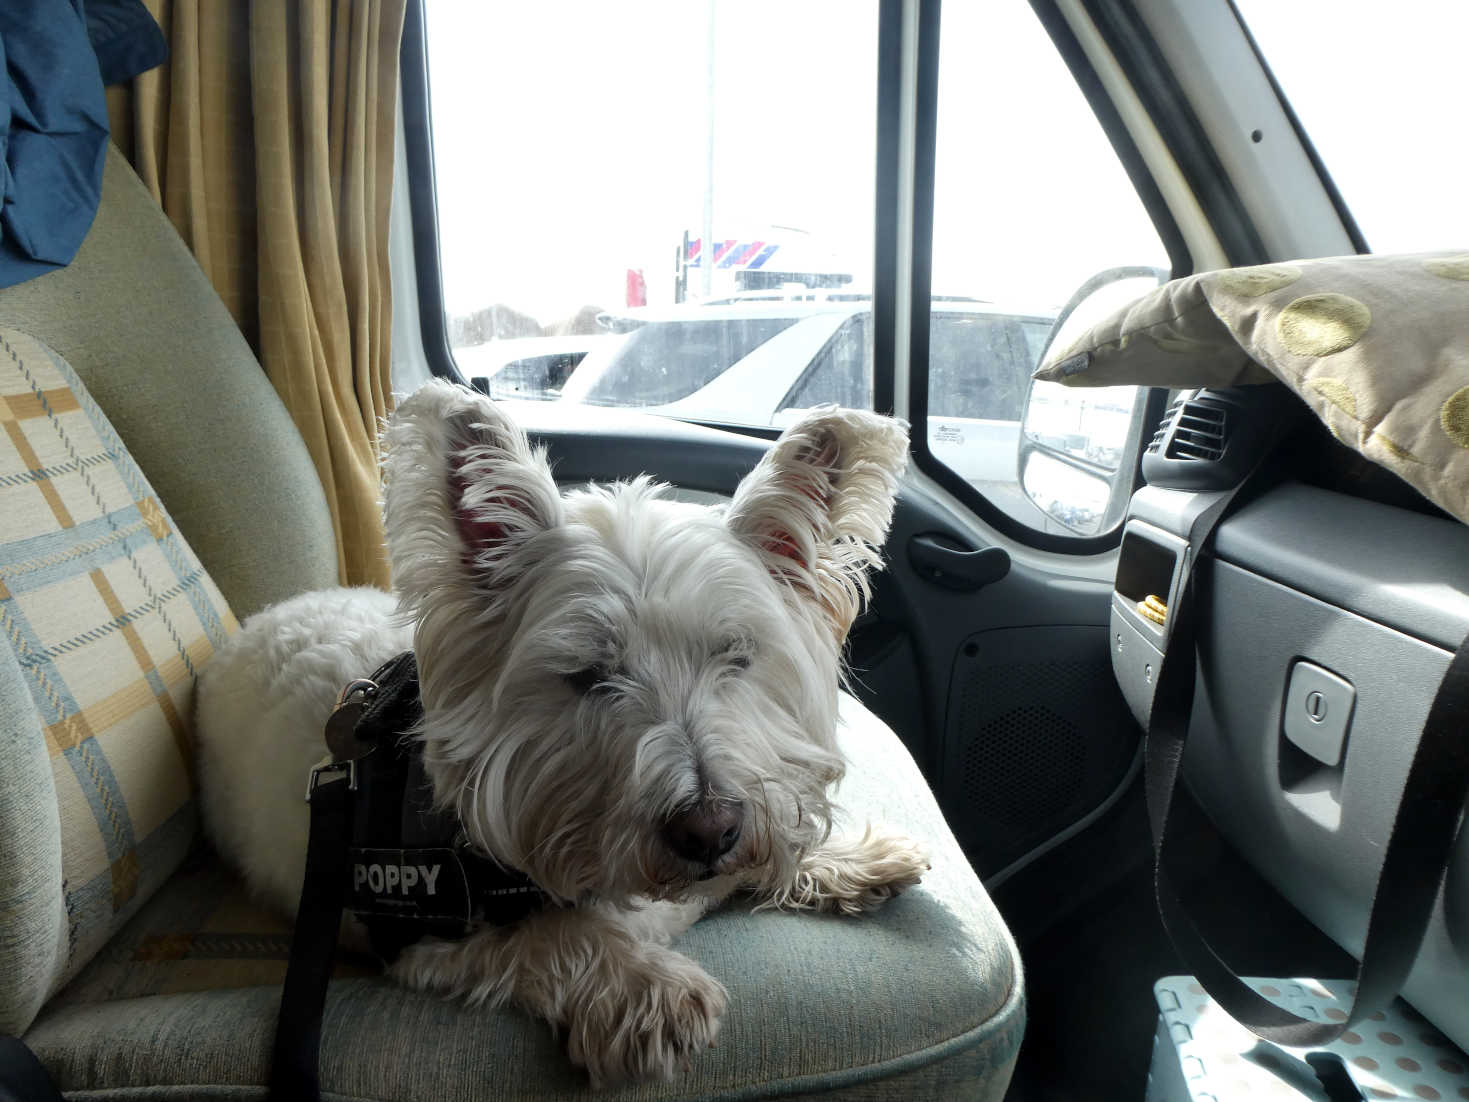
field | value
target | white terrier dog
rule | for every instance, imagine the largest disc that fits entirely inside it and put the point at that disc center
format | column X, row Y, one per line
column 631, row 700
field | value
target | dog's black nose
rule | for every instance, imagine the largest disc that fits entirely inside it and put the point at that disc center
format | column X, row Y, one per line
column 705, row 832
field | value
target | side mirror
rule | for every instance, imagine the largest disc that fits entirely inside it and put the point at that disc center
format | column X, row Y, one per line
column 1079, row 445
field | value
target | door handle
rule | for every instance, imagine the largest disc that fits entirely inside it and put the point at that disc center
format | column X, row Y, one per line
column 944, row 561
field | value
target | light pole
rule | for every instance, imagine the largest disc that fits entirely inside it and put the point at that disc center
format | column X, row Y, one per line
column 706, row 269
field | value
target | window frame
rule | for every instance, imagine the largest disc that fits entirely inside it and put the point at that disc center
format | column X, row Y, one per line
column 418, row 153
column 926, row 107
column 433, row 321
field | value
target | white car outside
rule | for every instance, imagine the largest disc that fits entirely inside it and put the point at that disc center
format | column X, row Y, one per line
column 532, row 368
column 760, row 363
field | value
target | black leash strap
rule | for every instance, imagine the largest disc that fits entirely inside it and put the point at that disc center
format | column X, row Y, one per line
column 314, row 944
column 1414, row 862
column 331, row 792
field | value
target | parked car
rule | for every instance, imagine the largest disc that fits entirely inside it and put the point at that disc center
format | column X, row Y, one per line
column 760, row 362
column 531, row 368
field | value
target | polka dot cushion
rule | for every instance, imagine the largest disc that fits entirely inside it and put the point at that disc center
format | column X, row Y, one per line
column 1377, row 346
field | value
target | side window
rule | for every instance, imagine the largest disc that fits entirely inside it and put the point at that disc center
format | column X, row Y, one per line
column 653, row 192
column 841, row 374
column 1030, row 204
column 978, row 366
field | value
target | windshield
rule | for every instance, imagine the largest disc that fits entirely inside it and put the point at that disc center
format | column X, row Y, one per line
column 666, row 361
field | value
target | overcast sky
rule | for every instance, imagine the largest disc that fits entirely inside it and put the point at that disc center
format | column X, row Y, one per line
column 570, row 140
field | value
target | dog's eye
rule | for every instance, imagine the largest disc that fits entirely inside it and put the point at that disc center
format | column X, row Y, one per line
column 584, row 681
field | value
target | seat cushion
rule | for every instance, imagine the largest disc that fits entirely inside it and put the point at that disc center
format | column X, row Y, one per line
column 105, row 616
column 922, row 998
column 150, row 338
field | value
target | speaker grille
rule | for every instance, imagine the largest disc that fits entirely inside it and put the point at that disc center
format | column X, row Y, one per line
column 1038, row 735
column 1035, row 747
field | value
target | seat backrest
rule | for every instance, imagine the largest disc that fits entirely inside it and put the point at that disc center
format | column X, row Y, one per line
column 106, row 614
column 140, row 324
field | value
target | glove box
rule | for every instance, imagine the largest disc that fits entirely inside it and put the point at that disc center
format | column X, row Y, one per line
column 1326, row 623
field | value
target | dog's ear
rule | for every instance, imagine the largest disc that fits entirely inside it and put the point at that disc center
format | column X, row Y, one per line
column 463, row 490
column 817, row 507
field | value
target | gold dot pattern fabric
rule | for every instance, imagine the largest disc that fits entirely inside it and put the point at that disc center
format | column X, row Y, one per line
column 1252, row 282
column 1321, row 325
column 1377, row 346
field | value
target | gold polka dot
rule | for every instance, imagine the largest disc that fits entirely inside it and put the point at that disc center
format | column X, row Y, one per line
column 1423, row 1090
column 1389, row 1038
column 1464, row 1092
column 1450, row 267
column 1254, row 282
column 1453, row 1067
column 1407, row 1064
column 1178, row 346
column 1335, row 1015
column 1393, row 448
column 1320, row 325
column 1366, row 1063
column 1455, row 417
column 1337, row 393
column 1351, row 1038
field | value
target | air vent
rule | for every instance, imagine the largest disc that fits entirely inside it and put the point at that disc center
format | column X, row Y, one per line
column 1198, row 433
column 1156, row 443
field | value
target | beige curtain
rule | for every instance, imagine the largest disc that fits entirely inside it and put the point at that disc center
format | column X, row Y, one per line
column 268, row 139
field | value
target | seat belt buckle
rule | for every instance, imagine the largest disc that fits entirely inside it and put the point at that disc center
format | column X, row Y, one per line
column 333, row 771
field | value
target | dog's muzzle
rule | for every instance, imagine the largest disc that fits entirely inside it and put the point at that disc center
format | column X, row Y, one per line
column 706, row 831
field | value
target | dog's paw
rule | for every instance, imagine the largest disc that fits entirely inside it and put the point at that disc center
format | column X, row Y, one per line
column 848, row 876
column 652, row 1017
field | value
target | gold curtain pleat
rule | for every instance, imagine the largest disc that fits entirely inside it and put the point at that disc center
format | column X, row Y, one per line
column 268, row 138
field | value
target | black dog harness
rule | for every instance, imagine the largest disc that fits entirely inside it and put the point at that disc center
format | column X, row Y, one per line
column 379, row 849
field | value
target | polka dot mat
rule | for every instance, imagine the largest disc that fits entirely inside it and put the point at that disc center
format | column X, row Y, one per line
column 1200, row 1054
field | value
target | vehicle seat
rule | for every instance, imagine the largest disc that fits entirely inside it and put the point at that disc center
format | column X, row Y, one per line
column 136, row 965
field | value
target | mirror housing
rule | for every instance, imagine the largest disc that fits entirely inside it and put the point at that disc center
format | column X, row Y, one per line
column 1079, row 446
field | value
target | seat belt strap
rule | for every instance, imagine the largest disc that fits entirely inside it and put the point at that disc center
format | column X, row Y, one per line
column 293, row 1073
column 1414, row 863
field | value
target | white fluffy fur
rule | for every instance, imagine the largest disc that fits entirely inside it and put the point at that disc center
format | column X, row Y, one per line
column 715, row 636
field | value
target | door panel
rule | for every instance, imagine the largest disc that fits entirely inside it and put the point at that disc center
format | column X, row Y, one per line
column 1036, row 738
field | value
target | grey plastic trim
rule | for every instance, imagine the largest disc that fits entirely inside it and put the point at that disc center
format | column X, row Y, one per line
column 1230, row 92
column 1319, row 837
column 1406, row 570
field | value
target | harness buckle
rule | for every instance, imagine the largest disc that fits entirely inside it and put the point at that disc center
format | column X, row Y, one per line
column 341, row 725
column 334, row 770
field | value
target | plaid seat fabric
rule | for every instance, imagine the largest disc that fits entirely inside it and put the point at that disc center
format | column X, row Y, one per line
column 108, row 616
column 201, row 932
